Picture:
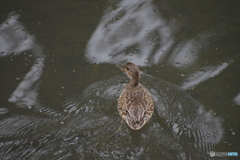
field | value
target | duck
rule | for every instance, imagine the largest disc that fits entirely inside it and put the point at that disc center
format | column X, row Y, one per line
column 135, row 103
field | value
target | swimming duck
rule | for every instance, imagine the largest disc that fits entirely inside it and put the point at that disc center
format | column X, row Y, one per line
column 135, row 104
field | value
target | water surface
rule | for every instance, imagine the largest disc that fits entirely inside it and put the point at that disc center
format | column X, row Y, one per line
column 59, row 83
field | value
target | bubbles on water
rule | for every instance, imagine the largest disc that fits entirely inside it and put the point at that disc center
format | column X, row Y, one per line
column 202, row 71
column 232, row 132
column 177, row 64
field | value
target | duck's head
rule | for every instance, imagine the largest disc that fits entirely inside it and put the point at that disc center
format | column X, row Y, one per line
column 132, row 72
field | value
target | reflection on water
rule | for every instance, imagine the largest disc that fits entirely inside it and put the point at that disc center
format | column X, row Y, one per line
column 179, row 129
column 14, row 39
column 135, row 32
column 204, row 74
column 237, row 99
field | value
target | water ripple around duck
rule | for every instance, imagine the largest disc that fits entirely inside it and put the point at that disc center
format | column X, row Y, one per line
column 180, row 128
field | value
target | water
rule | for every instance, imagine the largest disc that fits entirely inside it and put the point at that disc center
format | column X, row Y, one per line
column 60, row 83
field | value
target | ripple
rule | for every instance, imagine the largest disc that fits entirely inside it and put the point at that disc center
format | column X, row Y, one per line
column 178, row 119
column 179, row 129
column 3, row 111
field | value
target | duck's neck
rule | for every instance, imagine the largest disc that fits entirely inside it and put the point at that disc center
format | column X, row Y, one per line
column 135, row 81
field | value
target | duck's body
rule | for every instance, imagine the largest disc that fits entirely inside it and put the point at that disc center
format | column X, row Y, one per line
column 135, row 104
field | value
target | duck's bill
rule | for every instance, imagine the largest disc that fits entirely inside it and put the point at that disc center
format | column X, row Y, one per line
column 121, row 67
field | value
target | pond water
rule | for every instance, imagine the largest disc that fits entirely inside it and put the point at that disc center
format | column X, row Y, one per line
column 60, row 84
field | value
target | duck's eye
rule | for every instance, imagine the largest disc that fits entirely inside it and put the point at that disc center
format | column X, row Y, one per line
column 127, row 68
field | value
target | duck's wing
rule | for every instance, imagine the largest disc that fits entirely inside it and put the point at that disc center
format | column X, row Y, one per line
column 149, row 105
column 122, row 103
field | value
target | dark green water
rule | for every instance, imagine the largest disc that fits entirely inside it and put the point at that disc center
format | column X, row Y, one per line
column 60, row 84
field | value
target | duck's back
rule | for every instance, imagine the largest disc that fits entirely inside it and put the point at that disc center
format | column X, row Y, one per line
column 135, row 103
